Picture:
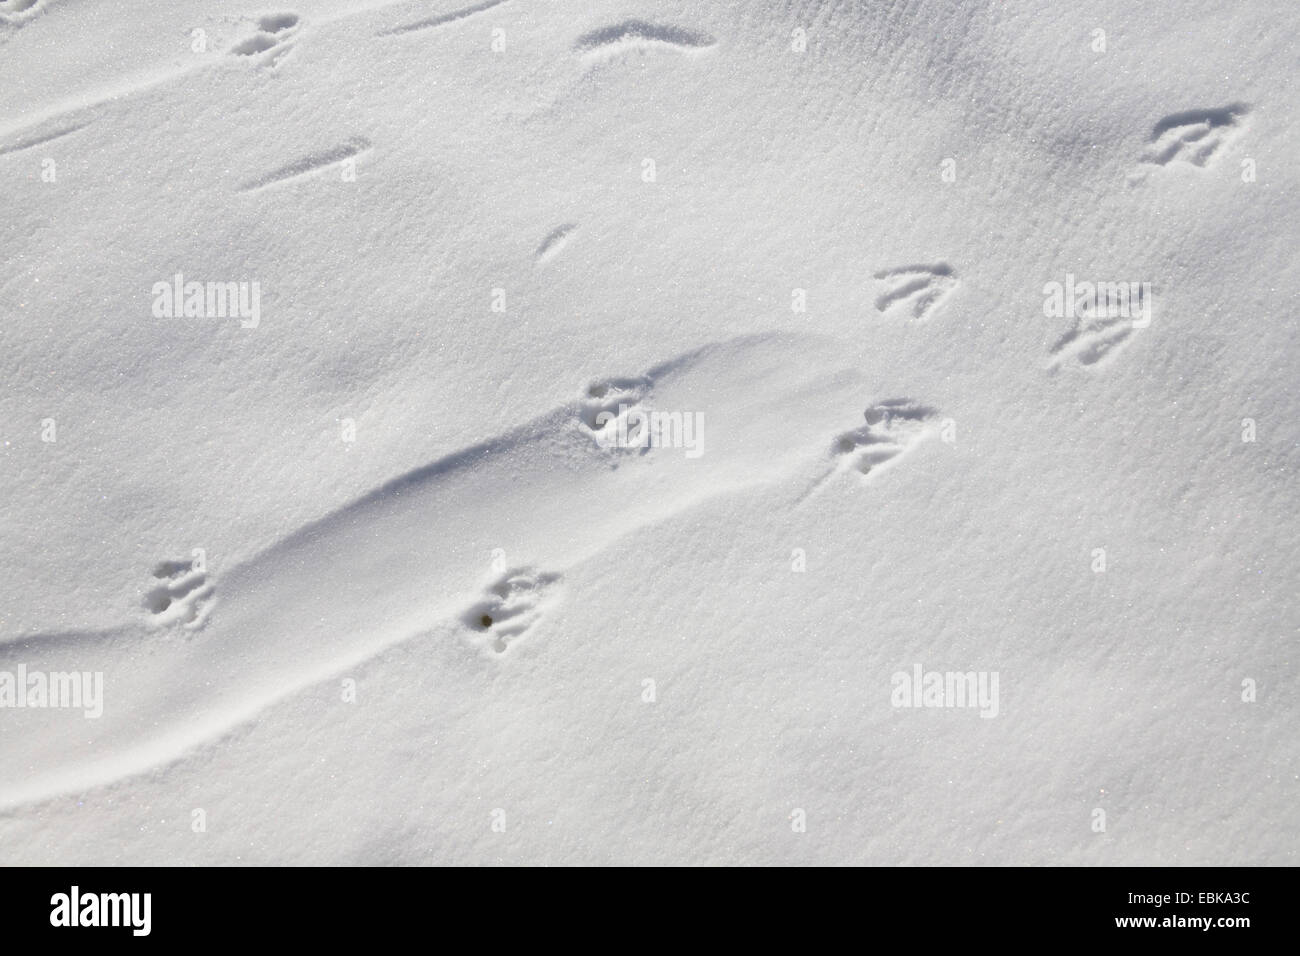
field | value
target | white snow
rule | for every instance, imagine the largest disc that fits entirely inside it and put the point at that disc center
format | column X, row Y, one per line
column 366, row 578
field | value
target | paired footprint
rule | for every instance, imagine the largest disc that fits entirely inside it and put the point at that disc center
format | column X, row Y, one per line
column 1192, row 136
column 271, row 42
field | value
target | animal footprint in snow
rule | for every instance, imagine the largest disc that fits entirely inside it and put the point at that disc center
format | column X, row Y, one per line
column 510, row 607
column 1194, row 136
column 893, row 426
column 1091, row 341
column 182, row 596
column 612, row 412
column 1105, row 316
column 555, row 240
column 638, row 36
column 914, row 290
column 273, row 31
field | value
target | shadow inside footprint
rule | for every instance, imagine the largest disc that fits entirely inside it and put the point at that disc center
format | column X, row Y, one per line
column 275, row 22
column 892, row 426
column 258, row 43
column 511, row 605
column 181, row 597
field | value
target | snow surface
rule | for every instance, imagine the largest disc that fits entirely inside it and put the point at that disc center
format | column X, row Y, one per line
column 690, row 656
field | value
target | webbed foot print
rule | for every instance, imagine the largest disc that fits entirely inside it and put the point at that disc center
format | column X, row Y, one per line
column 893, row 426
column 612, row 413
column 1092, row 342
column 1194, row 137
column 510, row 607
column 273, row 33
column 914, row 290
column 182, row 597
column 639, row 36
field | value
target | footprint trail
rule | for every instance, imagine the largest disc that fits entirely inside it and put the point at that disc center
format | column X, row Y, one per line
column 409, row 557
